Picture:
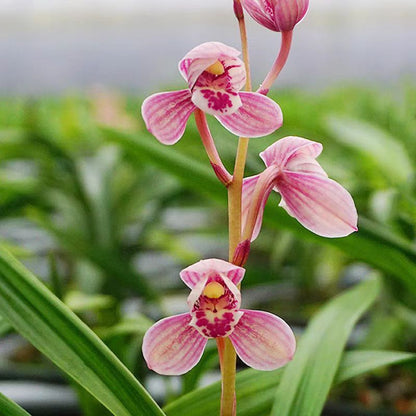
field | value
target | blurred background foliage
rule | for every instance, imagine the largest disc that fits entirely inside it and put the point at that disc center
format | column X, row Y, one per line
column 107, row 217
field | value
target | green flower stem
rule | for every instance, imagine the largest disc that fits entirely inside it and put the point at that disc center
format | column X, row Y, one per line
column 229, row 358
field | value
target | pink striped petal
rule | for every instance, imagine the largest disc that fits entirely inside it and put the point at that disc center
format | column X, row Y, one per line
column 320, row 204
column 258, row 116
column 258, row 14
column 249, row 185
column 199, row 271
column 263, row 340
column 172, row 347
column 166, row 114
column 289, row 149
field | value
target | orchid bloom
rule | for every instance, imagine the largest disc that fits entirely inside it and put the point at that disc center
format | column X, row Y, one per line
column 277, row 15
column 172, row 346
column 320, row 204
column 215, row 75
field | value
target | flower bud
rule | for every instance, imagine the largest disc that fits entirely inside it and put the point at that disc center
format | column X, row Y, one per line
column 277, row 15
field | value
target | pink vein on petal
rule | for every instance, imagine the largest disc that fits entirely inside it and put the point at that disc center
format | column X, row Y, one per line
column 318, row 203
column 263, row 340
column 172, row 347
column 166, row 114
column 258, row 116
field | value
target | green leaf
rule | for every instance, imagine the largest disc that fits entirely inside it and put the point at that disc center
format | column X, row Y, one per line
column 81, row 302
column 256, row 389
column 307, row 380
column 53, row 329
column 389, row 154
column 360, row 362
column 5, row 327
column 10, row 408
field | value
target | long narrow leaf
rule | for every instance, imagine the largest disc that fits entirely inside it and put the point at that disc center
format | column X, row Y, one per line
column 306, row 381
column 10, row 408
column 360, row 362
column 52, row 328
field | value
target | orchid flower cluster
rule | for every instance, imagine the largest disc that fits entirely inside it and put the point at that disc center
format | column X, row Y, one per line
column 215, row 77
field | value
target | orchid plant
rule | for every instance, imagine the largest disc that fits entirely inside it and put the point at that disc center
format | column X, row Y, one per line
column 215, row 76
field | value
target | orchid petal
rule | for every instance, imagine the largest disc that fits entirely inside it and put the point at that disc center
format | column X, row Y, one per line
column 258, row 14
column 258, row 116
column 201, row 57
column 263, row 340
column 199, row 271
column 216, row 102
column 249, row 185
column 172, row 347
column 320, row 204
column 236, row 71
column 166, row 114
column 284, row 149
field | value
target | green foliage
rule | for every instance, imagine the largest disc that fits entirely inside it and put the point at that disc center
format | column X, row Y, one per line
column 53, row 329
column 104, row 195
column 307, row 380
column 9, row 408
column 303, row 385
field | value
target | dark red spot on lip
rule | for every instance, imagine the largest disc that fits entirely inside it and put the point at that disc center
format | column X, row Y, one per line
column 217, row 100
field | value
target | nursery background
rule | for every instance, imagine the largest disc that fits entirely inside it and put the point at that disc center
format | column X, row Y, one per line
column 106, row 217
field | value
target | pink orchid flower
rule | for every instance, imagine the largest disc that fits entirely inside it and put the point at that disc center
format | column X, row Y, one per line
column 277, row 15
column 215, row 76
column 172, row 346
column 320, row 204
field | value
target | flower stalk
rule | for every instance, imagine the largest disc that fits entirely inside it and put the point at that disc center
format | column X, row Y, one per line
column 279, row 63
column 228, row 369
column 215, row 76
column 220, row 170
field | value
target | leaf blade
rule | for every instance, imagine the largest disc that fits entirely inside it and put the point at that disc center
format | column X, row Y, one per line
column 10, row 408
column 307, row 380
column 68, row 342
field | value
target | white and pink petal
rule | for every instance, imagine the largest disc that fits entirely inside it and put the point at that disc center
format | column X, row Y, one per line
column 167, row 113
column 289, row 149
column 263, row 341
column 320, row 204
column 201, row 57
column 217, row 102
column 258, row 116
column 199, row 271
column 172, row 347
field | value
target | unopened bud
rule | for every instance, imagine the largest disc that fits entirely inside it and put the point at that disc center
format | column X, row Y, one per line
column 277, row 15
column 241, row 253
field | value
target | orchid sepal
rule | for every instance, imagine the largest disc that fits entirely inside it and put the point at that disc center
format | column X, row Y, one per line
column 320, row 204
